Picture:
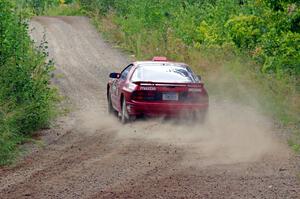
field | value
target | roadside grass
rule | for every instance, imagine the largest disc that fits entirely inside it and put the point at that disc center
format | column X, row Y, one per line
column 229, row 74
column 48, row 7
column 72, row 9
column 8, row 139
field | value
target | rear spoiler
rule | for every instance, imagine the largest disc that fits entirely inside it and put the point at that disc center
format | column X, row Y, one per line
column 149, row 83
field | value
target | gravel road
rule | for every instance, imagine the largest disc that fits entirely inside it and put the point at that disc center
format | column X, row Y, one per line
column 89, row 154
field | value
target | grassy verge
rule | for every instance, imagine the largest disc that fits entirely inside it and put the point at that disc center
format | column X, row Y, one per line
column 72, row 9
column 49, row 7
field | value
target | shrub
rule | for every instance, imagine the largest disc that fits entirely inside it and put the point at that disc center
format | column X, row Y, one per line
column 245, row 31
column 27, row 102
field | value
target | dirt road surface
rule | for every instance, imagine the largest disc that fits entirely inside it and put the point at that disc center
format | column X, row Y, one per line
column 88, row 154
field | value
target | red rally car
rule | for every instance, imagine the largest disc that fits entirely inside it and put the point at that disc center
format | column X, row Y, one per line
column 156, row 88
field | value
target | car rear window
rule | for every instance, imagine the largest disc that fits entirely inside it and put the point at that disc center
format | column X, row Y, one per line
column 164, row 73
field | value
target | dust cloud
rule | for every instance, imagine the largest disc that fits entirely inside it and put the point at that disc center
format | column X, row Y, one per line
column 231, row 134
column 91, row 120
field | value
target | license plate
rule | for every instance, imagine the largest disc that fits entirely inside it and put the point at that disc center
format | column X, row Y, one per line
column 170, row 96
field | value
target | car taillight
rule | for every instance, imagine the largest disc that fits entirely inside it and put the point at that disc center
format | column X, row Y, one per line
column 194, row 93
column 141, row 95
column 193, row 96
column 197, row 94
column 137, row 95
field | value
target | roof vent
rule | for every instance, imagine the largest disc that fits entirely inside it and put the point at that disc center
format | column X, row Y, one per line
column 159, row 59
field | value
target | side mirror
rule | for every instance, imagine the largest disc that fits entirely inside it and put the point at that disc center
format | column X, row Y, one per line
column 114, row 75
column 199, row 77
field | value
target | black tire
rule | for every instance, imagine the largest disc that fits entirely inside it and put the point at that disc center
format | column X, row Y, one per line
column 110, row 108
column 124, row 114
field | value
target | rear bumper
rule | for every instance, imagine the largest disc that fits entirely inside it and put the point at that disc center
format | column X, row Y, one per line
column 163, row 108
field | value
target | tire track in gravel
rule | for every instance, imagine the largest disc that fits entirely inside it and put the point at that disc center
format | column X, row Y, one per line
column 88, row 154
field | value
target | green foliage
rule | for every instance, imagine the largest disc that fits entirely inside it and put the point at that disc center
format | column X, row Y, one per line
column 281, row 53
column 245, row 30
column 27, row 102
column 41, row 7
column 37, row 6
column 102, row 6
column 8, row 138
column 208, row 34
column 71, row 9
column 267, row 30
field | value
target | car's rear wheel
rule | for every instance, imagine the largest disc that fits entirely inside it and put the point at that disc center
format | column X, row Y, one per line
column 110, row 108
column 124, row 115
